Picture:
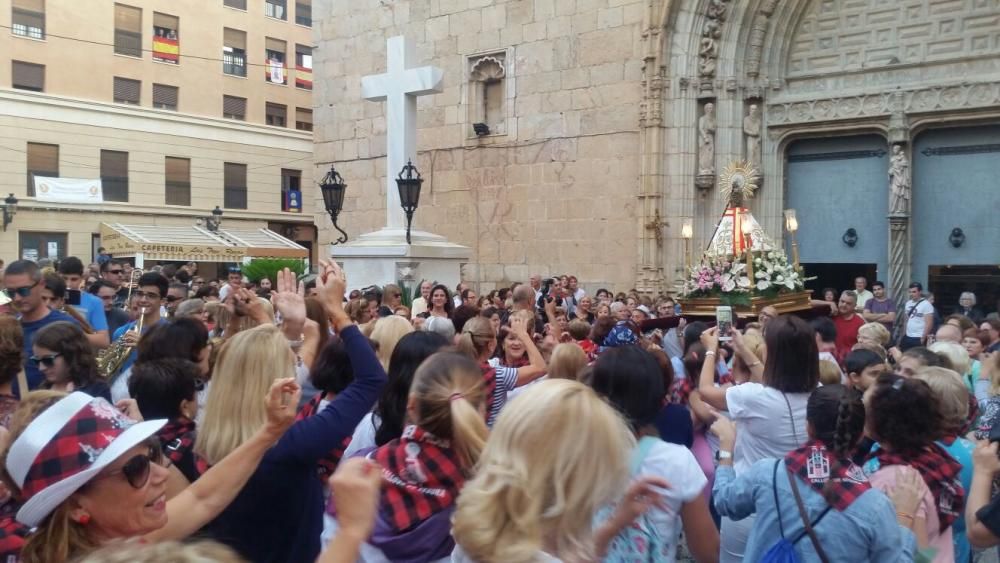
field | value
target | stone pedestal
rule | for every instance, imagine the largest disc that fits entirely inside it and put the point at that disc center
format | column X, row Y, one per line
column 384, row 257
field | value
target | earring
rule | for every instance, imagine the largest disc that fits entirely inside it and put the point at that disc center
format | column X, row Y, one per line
column 83, row 520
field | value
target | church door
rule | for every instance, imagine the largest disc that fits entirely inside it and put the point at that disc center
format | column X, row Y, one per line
column 839, row 189
column 955, row 227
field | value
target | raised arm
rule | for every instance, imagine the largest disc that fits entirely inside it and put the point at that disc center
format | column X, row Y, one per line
column 714, row 396
column 536, row 363
column 204, row 499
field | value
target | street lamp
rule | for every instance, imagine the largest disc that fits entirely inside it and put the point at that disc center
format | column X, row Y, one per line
column 215, row 221
column 9, row 210
column 409, row 182
column 334, row 188
column 792, row 225
column 687, row 233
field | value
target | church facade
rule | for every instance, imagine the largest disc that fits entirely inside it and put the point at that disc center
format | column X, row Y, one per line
column 582, row 136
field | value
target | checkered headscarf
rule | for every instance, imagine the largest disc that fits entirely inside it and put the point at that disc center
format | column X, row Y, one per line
column 940, row 472
column 840, row 481
column 422, row 477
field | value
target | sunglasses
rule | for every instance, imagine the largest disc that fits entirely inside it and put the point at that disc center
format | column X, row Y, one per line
column 20, row 291
column 172, row 298
column 47, row 361
column 136, row 469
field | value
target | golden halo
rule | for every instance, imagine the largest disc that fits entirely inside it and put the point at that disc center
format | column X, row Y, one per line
column 739, row 179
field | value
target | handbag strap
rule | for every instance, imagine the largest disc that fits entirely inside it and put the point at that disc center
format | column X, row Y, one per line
column 777, row 503
column 805, row 519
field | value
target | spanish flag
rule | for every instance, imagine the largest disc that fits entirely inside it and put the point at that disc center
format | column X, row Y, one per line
column 166, row 49
column 303, row 77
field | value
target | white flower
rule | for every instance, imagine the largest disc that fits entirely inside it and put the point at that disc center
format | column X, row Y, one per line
column 780, row 278
column 757, row 260
column 743, row 282
column 728, row 284
column 738, row 267
column 763, row 284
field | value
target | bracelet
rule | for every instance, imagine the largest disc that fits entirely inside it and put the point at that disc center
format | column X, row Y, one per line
column 709, row 353
column 296, row 344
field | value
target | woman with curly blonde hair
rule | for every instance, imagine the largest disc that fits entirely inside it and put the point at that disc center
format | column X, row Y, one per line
column 539, row 486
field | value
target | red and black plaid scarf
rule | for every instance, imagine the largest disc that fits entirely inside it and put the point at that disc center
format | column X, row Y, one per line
column 12, row 537
column 680, row 392
column 839, row 480
column 422, row 474
column 490, row 378
column 177, row 438
column 940, row 472
column 328, row 463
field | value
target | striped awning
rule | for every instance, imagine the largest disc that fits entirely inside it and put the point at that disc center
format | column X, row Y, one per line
column 197, row 244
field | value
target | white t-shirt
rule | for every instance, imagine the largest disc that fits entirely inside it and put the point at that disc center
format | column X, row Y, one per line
column 677, row 465
column 763, row 427
column 364, row 435
column 915, row 323
column 863, row 297
column 419, row 306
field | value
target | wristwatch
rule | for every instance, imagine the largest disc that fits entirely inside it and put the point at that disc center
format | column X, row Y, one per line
column 723, row 454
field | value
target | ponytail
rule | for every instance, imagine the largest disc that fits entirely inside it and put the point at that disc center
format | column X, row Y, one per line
column 449, row 390
column 477, row 334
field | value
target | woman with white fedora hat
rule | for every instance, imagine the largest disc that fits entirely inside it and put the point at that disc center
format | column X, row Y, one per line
column 88, row 475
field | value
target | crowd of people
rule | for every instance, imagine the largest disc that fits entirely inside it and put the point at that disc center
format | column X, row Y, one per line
column 162, row 415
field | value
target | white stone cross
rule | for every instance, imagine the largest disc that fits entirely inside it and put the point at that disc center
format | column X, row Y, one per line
column 399, row 88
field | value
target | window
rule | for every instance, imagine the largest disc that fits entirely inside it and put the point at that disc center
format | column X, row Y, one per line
column 276, row 114
column 36, row 245
column 28, row 18
column 234, row 52
column 291, row 190
column 238, row 4
column 128, row 30
column 303, row 119
column 234, row 108
column 165, row 97
column 28, row 76
column 43, row 161
column 274, row 54
column 275, row 9
column 304, row 12
column 127, row 91
column 235, row 192
column 178, row 183
column 303, row 67
column 114, row 175
column 166, row 38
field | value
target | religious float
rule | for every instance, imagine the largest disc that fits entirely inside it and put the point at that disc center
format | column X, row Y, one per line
column 742, row 266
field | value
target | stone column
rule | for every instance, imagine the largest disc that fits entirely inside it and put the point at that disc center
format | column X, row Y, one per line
column 899, row 256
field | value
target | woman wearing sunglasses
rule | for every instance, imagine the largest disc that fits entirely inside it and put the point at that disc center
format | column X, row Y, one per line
column 64, row 356
column 88, row 476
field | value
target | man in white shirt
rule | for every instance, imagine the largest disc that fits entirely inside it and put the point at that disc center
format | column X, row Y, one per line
column 861, row 289
column 457, row 298
column 919, row 315
column 235, row 281
column 419, row 304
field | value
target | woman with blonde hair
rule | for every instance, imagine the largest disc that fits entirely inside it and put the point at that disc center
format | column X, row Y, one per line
column 387, row 332
column 567, row 361
column 539, row 486
column 279, row 514
column 875, row 333
column 953, row 403
column 479, row 343
column 424, row 470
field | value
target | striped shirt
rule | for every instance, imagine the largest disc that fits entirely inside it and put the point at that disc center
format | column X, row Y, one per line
column 506, row 382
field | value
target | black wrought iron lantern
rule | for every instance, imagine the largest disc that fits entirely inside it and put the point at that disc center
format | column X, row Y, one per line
column 9, row 210
column 409, row 182
column 850, row 237
column 957, row 237
column 334, row 188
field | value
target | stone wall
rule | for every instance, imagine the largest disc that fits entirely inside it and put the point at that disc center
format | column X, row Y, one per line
column 557, row 191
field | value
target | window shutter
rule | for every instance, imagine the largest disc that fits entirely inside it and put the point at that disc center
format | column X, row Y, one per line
column 235, row 186
column 238, row 4
column 303, row 119
column 231, row 105
column 178, row 181
column 164, row 96
column 30, row 5
column 28, row 76
column 275, row 114
column 114, row 175
column 274, row 45
column 127, row 90
column 43, row 160
column 234, row 38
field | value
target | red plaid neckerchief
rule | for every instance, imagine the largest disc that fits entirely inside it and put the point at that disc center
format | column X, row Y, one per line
column 839, row 480
column 177, row 440
column 940, row 472
column 422, row 477
column 973, row 415
column 327, row 463
column 12, row 535
column 490, row 378
column 518, row 363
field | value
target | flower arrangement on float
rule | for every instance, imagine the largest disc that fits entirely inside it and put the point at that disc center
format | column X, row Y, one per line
column 729, row 279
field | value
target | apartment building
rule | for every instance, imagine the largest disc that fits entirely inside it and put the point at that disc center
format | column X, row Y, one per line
column 177, row 107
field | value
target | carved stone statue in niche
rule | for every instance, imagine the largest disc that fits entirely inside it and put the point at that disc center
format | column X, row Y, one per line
column 708, row 49
column 751, row 130
column 706, row 141
column 899, row 181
